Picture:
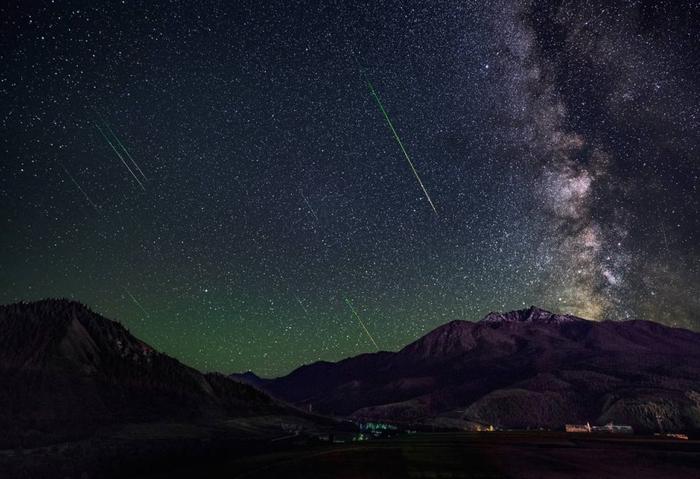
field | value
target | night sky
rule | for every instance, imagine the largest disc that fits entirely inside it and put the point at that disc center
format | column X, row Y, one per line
column 219, row 177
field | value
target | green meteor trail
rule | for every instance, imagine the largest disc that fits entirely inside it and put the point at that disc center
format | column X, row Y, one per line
column 116, row 139
column 398, row 140
column 121, row 145
column 361, row 323
column 120, row 156
column 136, row 302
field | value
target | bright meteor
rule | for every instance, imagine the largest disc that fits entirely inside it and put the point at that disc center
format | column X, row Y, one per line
column 361, row 323
column 398, row 140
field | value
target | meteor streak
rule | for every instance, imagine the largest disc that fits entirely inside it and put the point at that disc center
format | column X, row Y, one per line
column 301, row 304
column 137, row 302
column 125, row 150
column 398, row 140
column 120, row 156
column 361, row 323
column 309, row 206
column 663, row 230
column 121, row 145
column 78, row 186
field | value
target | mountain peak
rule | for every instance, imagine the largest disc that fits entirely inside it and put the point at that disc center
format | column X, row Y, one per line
column 531, row 315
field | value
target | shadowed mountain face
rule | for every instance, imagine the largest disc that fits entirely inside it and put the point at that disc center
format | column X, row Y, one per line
column 527, row 368
column 66, row 371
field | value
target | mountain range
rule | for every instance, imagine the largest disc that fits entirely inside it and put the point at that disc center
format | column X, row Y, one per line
column 523, row 369
column 66, row 372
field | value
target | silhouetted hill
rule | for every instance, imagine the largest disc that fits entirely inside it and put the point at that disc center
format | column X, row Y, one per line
column 527, row 368
column 65, row 371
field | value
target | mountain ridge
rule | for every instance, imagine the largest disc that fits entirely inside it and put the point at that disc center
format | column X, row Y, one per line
column 561, row 367
column 533, row 313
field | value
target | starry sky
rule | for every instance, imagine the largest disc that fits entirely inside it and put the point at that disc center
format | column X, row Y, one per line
column 220, row 177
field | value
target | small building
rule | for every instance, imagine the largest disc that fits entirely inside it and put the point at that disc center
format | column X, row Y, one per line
column 377, row 429
column 672, row 435
column 609, row 428
column 577, row 427
column 614, row 429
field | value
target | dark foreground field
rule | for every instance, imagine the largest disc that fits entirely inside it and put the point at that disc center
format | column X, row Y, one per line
column 470, row 455
column 145, row 455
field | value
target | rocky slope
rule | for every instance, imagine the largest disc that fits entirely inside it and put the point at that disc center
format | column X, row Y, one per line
column 66, row 371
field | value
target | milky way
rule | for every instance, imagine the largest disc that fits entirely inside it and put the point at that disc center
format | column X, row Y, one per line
column 582, row 258
column 603, row 53
column 218, row 177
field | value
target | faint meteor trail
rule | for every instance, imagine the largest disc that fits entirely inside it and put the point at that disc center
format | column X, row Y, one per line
column 309, row 206
column 137, row 302
column 398, row 140
column 663, row 230
column 361, row 323
column 78, row 186
column 301, row 304
column 120, row 156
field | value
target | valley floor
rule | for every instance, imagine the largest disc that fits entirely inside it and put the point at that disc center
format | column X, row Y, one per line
column 471, row 455
column 422, row 455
